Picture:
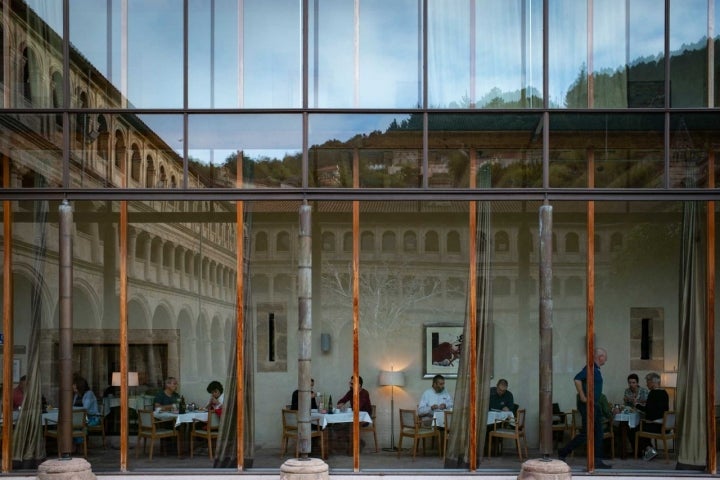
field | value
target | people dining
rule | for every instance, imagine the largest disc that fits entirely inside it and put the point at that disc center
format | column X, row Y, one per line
column 435, row 398
column 313, row 402
column 168, row 396
column 501, row 398
column 217, row 397
column 658, row 402
column 634, row 394
column 346, row 400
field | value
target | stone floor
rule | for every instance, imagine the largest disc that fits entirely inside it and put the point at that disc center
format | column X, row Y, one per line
column 269, row 460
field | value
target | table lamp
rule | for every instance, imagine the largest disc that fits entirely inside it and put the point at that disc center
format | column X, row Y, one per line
column 392, row 379
column 132, row 379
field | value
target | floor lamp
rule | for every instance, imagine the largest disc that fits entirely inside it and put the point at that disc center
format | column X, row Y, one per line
column 392, row 379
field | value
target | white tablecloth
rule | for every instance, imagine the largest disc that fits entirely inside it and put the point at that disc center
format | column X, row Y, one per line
column 439, row 416
column 52, row 416
column 633, row 418
column 182, row 418
column 15, row 416
column 346, row 417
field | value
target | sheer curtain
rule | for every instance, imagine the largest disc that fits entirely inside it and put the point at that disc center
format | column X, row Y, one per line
column 458, row 454
column 28, row 441
column 691, row 384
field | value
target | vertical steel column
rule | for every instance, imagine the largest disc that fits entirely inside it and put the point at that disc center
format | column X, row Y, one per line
column 304, row 328
column 7, row 311
column 546, row 310
column 65, row 249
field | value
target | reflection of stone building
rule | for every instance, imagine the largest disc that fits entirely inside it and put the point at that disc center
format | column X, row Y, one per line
column 181, row 272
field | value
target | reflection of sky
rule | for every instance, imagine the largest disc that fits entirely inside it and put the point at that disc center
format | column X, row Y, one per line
column 344, row 127
column 257, row 53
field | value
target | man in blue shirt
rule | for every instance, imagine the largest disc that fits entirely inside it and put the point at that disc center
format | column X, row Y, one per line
column 581, row 388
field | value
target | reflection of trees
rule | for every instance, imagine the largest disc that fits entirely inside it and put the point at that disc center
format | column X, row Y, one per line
column 644, row 244
column 388, row 292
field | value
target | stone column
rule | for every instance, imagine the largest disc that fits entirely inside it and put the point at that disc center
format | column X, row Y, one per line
column 545, row 470
column 304, row 469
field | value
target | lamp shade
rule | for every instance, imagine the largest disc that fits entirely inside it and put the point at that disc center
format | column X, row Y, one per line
column 392, row 378
column 132, row 379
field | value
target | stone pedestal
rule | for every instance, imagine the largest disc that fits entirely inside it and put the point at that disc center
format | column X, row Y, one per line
column 71, row 469
column 545, row 470
column 304, row 469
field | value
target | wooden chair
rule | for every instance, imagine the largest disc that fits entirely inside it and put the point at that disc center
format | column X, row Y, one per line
column 609, row 434
column 448, row 420
column 209, row 430
column 290, row 430
column 411, row 426
column 510, row 429
column 79, row 428
column 151, row 428
column 667, row 432
column 97, row 427
column 370, row 427
column 562, row 423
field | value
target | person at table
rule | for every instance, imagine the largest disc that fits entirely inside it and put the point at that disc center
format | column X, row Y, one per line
column 436, row 398
column 634, row 394
column 365, row 404
column 83, row 397
column 658, row 402
column 580, row 380
column 501, row 399
column 19, row 393
column 217, row 397
column 313, row 402
column 168, row 396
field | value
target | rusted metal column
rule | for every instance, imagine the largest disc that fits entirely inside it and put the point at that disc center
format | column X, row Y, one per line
column 304, row 328
column 65, row 224
column 546, row 309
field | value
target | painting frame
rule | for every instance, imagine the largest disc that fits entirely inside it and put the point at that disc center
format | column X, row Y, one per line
column 442, row 344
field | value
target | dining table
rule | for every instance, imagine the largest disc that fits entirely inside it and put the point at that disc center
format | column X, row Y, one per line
column 492, row 417
column 626, row 420
column 181, row 423
column 325, row 420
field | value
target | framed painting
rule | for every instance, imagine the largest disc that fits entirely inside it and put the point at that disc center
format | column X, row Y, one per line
column 442, row 346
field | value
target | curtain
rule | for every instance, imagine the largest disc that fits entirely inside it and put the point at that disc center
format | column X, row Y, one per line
column 28, row 441
column 227, row 441
column 458, row 454
column 691, row 385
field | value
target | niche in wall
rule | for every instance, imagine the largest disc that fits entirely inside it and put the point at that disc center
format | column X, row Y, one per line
column 272, row 338
column 647, row 339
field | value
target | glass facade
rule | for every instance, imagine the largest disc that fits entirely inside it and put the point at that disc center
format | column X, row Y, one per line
column 368, row 194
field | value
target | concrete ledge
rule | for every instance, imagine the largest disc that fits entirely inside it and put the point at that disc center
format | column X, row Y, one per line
column 70, row 469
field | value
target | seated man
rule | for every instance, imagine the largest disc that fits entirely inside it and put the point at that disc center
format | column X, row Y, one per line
column 365, row 404
column 313, row 403
column 501, row 398
column 436, row 398
column 658, row 402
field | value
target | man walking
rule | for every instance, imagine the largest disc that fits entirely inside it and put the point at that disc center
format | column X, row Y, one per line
column 600, row 358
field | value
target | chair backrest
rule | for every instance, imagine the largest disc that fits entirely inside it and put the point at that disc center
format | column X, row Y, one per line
column 408, row 418
column 213, row 420
column 289, row 419
column 668, row 421
column 79, row 418
column 520, row 420
column 448, row 420
column 145, row 419
column 372, row 413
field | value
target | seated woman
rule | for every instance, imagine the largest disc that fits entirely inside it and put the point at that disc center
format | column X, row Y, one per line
column 215, row 389
column 83, row 397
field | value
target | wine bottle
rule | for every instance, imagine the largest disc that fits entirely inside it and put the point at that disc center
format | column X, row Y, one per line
column 183, row 405
column 330, row 405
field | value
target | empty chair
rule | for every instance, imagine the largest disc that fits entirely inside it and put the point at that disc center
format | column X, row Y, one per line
column 412, row 427
column 512, row 430
column 151, row 428
column 205, row 430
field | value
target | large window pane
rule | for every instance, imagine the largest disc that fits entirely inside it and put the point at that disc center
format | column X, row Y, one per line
column 623, row 151
column 689, row 53
column 485, row 54
column 691, row 146
column 141, row 65
column 495, row 146
column 181, row 313
column 33, row 150
column 367, row 56
column 267, row 146
column 382, row 151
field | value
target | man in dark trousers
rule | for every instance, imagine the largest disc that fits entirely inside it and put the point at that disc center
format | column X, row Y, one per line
column 581, row 387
